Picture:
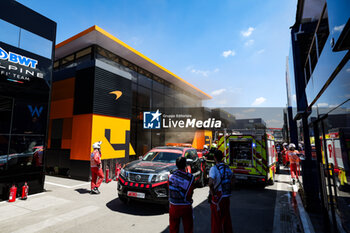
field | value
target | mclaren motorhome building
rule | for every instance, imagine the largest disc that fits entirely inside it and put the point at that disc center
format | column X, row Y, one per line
column 101, row 88
column 26, row 57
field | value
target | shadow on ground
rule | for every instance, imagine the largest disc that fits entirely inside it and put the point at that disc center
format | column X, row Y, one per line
column 252, row 210
column 82, row 191
column 136, row 208
column 201, row 221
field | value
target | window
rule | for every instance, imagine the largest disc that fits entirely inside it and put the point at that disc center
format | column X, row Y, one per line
column 21, row 38
column 318, row 41
column 143, row 97
column 9, row 33
column 67, row 59
column 35, row 44
column 144, row 81
column 167, row 157
column 56, row 64
column 83, row 52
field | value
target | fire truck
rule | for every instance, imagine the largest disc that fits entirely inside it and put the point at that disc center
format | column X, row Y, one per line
column 338, row 153
column 251, row 155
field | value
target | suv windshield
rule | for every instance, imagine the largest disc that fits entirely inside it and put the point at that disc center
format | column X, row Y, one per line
column 166, row 157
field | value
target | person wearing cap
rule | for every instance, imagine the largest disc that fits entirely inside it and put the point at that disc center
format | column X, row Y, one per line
column 180, row 198
column 294, row 160
column 221, row 179
column 96, row 168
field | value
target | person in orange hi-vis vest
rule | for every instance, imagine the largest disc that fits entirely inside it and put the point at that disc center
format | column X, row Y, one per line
column 294, row 161
column 96, row 168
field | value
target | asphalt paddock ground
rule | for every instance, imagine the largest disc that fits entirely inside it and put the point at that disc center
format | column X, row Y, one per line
column 67, row 206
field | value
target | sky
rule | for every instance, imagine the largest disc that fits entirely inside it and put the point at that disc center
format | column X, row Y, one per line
column 234, row 50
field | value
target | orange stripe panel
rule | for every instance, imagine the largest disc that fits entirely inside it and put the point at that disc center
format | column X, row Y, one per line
column 63, row 89
column 67, row 128
column 49, row 135
column 81, row 137
column 62, row 108
column 66, row 143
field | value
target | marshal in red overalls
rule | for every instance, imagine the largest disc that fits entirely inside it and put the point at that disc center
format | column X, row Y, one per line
column 96, row 168
column 180, row 198
column 294, row 162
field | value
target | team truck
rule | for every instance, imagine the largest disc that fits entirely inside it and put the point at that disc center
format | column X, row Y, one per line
column 250, row 154
column 338, row 153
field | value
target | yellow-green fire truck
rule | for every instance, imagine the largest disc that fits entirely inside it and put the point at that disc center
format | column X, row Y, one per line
column 251, row 155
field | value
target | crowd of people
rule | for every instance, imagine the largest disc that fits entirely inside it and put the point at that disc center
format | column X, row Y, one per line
column 181, row 187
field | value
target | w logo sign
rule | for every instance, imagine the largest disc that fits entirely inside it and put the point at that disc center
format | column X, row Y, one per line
column 35, row 111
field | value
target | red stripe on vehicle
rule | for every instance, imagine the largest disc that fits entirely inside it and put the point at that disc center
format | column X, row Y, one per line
column 241, row 171
column 160, row 183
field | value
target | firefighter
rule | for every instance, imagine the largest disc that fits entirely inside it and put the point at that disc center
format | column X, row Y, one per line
column 220, row 180
column 294, row 161
column 96, row 168
column 180, row 198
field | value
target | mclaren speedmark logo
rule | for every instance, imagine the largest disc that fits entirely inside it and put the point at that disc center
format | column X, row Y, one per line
column 117, row 94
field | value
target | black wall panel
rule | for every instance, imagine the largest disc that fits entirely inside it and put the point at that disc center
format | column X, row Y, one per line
column 84, row 91
column 56, row 133
column 106, row 103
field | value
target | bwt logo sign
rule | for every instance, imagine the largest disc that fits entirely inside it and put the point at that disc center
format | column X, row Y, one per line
column 151, row 120
column 18, row 59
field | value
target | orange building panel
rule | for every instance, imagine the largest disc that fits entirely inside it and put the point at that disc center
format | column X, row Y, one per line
column 81, row 137
column 67, row 133
column 63, row 89
column 67, row 128
column 66, row 143
column 49, row 135
column 62, row 108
